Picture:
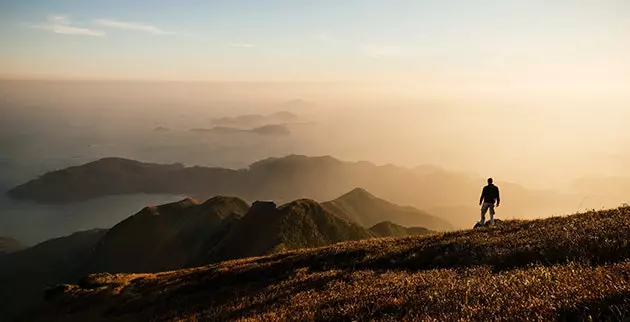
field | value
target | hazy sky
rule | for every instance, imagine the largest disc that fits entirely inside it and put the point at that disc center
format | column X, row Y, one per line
column 542, row 44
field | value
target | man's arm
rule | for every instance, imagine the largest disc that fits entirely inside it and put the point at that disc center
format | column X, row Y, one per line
column 481, row 198
column 498, row 197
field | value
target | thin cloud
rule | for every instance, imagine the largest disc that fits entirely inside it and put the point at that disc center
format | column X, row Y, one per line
column 382, row 51
column 61, row 24
column 242, row 45
column 132, row 26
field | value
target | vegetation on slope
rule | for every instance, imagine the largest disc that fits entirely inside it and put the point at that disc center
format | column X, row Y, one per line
column 365, row 209
column 267, row 229
column 564, row 268
column 166, row 237
column 23, row 274
column 389, row 229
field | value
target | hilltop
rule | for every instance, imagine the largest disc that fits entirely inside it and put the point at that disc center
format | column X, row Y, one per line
column 453, row 195
column 298, row 224
column 166, row 237
column 561, row 268
column 366, row 209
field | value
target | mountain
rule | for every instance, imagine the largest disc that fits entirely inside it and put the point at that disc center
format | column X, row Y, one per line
column 256, row 119
column 365, row 209
column 9, row 245
column 298, row 224
column 389, row 229
column 166, row 237
column 290, row 178
column 270, row 129
column 177, row 235
column 24, row 274
column 571, row 268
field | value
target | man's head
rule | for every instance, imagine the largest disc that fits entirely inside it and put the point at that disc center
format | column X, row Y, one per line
column 490, row 180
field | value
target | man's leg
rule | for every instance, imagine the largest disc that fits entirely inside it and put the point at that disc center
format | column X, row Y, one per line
column 484, row 209
column 491, row 214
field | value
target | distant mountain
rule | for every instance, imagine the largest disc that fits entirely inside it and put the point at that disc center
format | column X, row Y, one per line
column 161, row 129
column 24, row 274
column 166, row 237
column 9, row 245
column 290, row 178
column 297, row 104
column 256, row 119
column 389, row 229
column 267, row 229
column 365, row 209
column 272, row 129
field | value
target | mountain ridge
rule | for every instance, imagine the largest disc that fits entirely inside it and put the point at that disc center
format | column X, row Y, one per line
column 288, row 178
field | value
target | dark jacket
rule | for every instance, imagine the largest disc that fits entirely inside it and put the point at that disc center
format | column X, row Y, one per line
column 490, row 194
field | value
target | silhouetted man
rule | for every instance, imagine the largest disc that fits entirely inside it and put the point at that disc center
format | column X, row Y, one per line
column 489, row 195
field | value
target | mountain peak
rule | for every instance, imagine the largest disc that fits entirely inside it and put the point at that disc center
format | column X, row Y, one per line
column 359, row 193
column 171, row 207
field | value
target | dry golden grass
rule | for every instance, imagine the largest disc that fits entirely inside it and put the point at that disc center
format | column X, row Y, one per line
column 564, row 268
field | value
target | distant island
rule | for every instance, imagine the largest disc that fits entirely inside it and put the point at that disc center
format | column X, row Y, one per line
column 255, row 119
column 272, row 129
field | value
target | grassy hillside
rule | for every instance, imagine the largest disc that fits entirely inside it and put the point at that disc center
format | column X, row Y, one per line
column 165, row 237
column 267, row 229
column 563, row 268
column 25, row 273
column 389, row 229
column 366, row 209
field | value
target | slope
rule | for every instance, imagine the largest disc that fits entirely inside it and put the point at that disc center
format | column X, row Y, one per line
column 562, row 268
column 365, row 209
column 166, row 237
column 389, row 229
column 267, row 229
column 24, row 274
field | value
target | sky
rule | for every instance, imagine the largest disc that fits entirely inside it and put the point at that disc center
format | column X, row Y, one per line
column 549, row 45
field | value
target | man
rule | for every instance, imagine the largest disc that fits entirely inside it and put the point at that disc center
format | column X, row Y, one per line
column 489, row 195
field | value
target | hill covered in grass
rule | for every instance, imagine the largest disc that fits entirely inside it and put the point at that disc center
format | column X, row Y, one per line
column 24, row 273
column 562, row 268
column 365, row 209
column 173, row 236
column 389, row 229
column 166, row 237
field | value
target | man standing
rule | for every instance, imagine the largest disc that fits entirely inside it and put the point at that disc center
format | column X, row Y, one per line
column 489, row 195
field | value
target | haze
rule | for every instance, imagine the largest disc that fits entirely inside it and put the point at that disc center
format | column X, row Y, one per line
column 536, row 93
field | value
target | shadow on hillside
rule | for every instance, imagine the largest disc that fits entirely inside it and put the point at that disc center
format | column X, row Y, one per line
column 611, row 308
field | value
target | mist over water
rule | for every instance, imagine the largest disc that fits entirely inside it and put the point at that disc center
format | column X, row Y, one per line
column 544, row 144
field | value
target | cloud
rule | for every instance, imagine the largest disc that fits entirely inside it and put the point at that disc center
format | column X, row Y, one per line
column 382, row 51
column 132, row 26
column 242, row 45
column 61, row 24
